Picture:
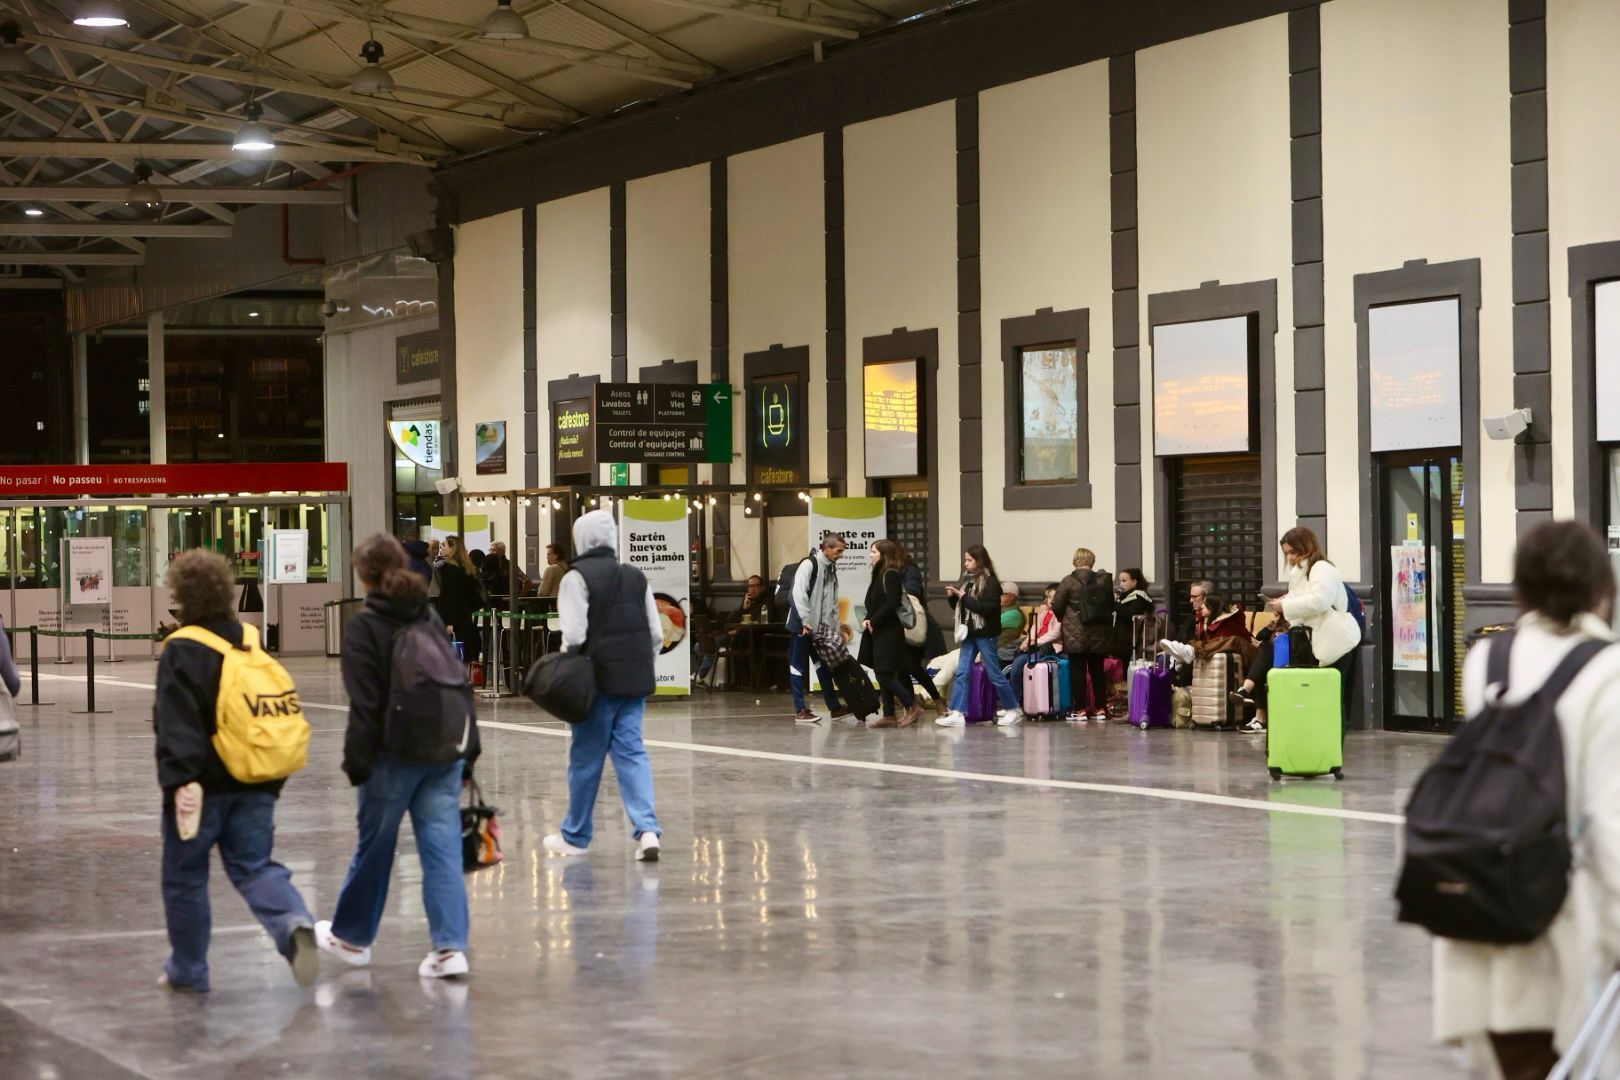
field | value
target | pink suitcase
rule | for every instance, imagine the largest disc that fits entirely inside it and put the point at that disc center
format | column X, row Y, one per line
column 1037, row 689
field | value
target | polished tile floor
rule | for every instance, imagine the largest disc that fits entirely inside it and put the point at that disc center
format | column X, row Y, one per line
column 1036, row 901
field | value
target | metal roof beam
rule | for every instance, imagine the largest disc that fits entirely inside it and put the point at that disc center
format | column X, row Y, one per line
column 814, row 22
column 67, row 258
column 172, row 193
column 179, row 150
column 108, row 230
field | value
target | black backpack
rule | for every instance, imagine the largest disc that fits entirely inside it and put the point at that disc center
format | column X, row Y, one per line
column 430, row 716
column 1097, row 600
column 1488, row 850
column 784, row 581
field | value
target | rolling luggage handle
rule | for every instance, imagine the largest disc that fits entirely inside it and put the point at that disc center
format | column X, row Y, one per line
column 1596, row 1037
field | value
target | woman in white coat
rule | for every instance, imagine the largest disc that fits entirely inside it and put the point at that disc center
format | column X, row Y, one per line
column 1317, row 598
column 1529, row 999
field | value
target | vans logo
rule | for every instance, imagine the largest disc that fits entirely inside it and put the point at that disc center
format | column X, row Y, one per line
column 282, row 704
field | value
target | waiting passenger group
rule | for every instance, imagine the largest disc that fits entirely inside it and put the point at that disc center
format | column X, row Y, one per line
column 230, row 730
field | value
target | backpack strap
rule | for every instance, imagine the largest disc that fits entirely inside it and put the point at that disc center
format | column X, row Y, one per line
column 1569, row 667
column 210, row 640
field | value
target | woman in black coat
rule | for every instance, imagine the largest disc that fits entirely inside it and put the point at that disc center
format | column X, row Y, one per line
column 1134, row 601
column 883, row 645
column 460, row 594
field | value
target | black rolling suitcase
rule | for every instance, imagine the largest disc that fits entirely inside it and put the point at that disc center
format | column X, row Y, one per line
column 855, row 689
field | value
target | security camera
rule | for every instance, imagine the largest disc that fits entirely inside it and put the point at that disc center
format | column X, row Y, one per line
column 329, row 309
column 1509, row 426
column 448, row 485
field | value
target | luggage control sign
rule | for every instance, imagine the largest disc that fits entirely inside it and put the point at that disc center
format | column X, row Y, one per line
column 663, row 424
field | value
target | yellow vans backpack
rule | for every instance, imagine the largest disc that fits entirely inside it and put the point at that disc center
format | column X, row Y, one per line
column 259, row 728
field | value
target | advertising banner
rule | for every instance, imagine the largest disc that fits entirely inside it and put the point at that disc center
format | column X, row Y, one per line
column 416, row 357
column 862, row 523
column 419, row 441
column 1410, row 607
column 286, row 557
column 489, row 448
column 87, row 570
column 653, row 537
column 573, row 438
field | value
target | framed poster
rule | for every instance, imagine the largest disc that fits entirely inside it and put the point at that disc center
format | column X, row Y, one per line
column 286, row 557
column 87, row 576
column 489, row 448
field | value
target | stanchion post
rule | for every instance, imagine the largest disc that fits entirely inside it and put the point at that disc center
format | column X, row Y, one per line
column 90, row 669
column 33, row 665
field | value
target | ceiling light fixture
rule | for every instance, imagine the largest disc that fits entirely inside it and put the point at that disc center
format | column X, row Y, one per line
column 504, row 24
column 101, row 14
column 142, row 194
column 372, row 80
column 253, row 135
column 253, row 314
column 33, row 211
column 14, row 59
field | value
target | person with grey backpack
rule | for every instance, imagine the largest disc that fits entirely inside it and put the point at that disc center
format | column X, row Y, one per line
column 411, row 740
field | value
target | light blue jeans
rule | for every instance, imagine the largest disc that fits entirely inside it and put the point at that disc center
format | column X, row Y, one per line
column 985, row 647
column 613, row 727
column 432, row 795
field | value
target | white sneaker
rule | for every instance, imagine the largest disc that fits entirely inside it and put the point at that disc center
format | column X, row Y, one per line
column 1009, row 717
column 647, row 849
column 349, row 954
column 558, row 846
column 442, row 964
column 1098, row 718
column 951, row 719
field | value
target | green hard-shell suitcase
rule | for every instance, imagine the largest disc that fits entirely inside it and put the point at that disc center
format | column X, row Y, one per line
column 1304, row 736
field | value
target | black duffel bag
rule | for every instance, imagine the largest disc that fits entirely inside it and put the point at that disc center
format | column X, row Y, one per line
column 563, row 684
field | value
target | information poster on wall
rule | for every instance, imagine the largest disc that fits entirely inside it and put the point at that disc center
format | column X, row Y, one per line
column 862, row 523
column 653, row 538
column 1410, row 607
column 489, row 448
column 87, row 570
column 286, row 557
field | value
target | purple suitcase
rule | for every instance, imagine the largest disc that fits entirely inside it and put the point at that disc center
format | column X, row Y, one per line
column 981, row 702
column 1150, row 695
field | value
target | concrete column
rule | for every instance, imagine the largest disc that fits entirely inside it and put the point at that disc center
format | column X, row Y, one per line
column 158, row 406
column 81, row 399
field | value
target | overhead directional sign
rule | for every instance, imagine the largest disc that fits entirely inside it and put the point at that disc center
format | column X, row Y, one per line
column 663, row 424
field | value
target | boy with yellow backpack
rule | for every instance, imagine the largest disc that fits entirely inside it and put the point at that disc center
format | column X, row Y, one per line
column 229, row 732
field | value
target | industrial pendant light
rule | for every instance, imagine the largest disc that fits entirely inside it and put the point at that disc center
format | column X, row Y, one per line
column 253, row 135
column 142, row 195
column 504, row 24
column 372, row 80
column 101, row 14
column 14, row 59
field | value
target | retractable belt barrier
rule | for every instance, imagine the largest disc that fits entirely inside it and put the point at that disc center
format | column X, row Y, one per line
column 89, row 634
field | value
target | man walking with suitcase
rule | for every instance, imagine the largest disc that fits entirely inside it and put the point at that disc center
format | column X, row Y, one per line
column 814, row 614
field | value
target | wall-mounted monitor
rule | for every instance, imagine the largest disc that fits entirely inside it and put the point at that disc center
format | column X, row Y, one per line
column 1414, row 375
column 893, row 419
column 1606, row 348
column 1203, row 387
column 777, row 446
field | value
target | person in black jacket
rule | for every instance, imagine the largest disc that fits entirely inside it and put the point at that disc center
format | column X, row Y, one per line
column 883, row 645
column 236, row 817
column 911, row 580
column 1134, row 602
column 460, row 594
column 977, row 602
column 390, row 786
column 608, row 612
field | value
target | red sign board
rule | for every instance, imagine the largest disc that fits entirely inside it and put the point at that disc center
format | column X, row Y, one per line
column 59, row 481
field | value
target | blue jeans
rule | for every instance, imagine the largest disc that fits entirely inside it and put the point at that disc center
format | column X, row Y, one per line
column 799, row 675
column 612, row 727
column 242, row 824
column 432, row 795
column 985, row 647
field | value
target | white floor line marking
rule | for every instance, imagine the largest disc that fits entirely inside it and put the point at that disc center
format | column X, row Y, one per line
column 1168, row 794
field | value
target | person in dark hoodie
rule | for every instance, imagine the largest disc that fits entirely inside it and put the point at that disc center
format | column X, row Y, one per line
column 416, row 553
column 199, row 793
column 608, row 611
column 390, row 786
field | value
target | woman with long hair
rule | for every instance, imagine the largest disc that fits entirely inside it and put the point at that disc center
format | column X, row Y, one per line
column 912, row 581
column 393, row 781
column 1317, row 599
column 883, row 645
column 460, row 594
column 977, row 603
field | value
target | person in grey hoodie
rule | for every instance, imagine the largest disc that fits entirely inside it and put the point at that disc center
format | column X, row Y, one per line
column 607, row 611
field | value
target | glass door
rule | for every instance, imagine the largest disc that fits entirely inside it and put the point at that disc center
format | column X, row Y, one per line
column 1421, row 585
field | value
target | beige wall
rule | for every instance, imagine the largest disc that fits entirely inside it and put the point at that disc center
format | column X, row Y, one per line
column 1415, row 166
column 573, row 303
column 1044, row 228
column 489, row 341
column 1583, row 176
column 900, row 270
column 667, row 268
column 776, row 233
column 1213, row 199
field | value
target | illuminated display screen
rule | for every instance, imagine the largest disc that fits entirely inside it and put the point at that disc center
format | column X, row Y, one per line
column 1201, row 388
column 1606, row 343
column 1049, row 391
column 776, row 440
column 892, row 419
column 573, row 440
column 1414, row 375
